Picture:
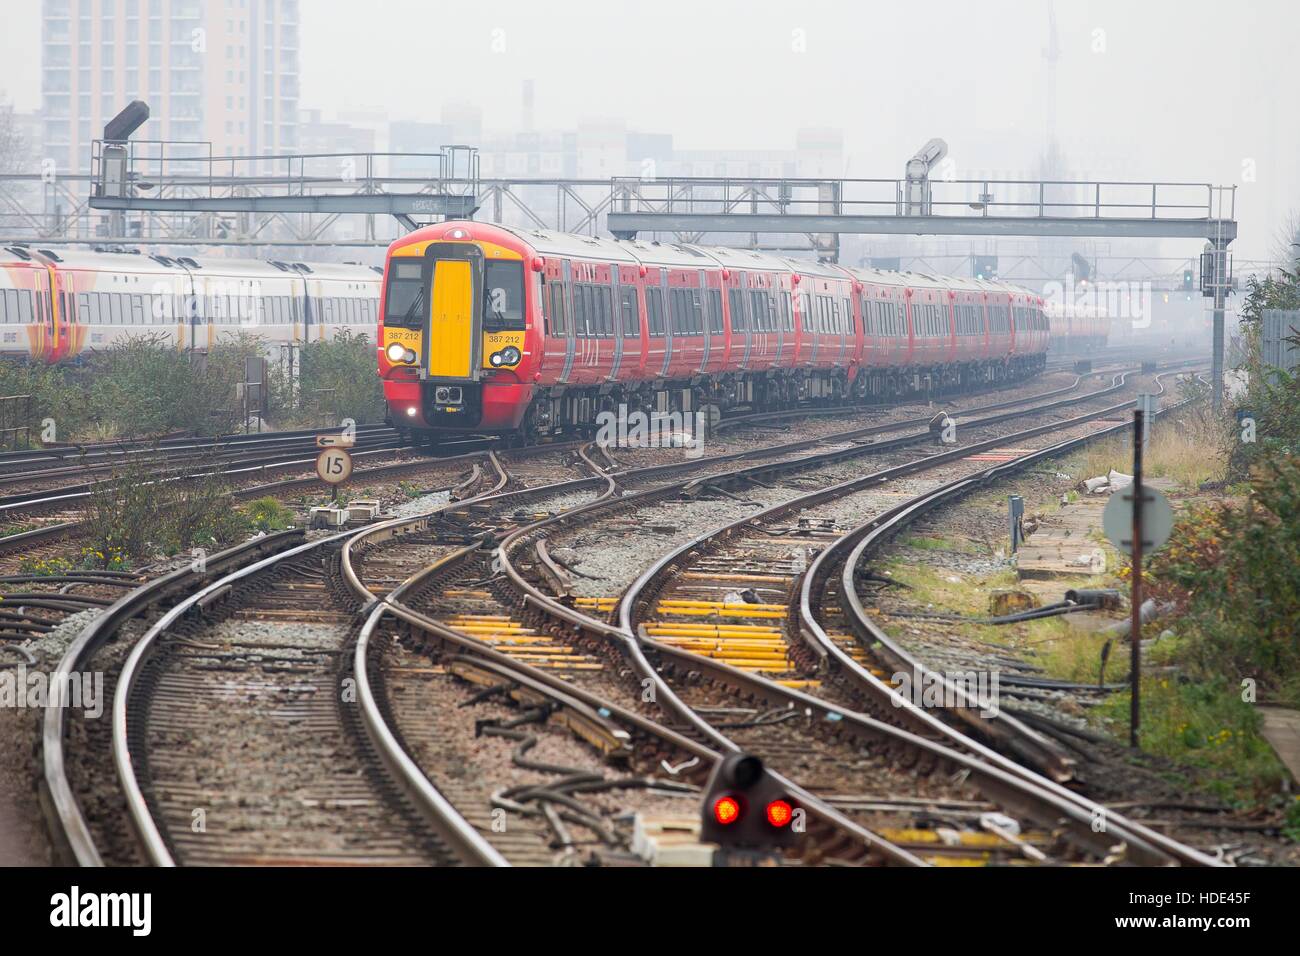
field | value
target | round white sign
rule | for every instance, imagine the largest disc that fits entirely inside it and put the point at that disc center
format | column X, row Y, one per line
column 334, row 465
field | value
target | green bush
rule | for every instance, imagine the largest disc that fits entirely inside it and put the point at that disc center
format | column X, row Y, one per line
column 268, row 514
column 1272, row 395
column 337, row 379
column 1206, row 726
column 1234, row 571
column 140, row 513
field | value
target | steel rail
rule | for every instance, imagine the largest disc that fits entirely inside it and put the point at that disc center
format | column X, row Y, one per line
column 633, row 647
column 392, row 602
column 818, row 809
column 453, row 829
column 889, row 523
column 66, row 822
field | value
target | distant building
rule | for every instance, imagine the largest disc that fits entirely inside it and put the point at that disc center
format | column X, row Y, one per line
column 317, row 135
column 413, row 138
column 223, row 71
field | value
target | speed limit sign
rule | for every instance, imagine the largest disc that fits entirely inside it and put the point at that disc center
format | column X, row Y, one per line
column 334, row 465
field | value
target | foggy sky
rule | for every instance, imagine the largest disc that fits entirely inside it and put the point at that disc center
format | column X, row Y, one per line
column 1182, row 91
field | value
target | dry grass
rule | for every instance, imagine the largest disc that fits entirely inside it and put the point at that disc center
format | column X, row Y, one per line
column 1182, row 450
column 1069, row 653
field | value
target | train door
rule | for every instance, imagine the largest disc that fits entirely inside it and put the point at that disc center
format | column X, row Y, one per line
column 705, row 314
column 740, row 322
column 309, row 317
column 628, row 317
column 666, row 311
column 616, row 320
column 570, row 324
column 196, row 307
column 452, row 343
column 43, row 303
column 774, row 306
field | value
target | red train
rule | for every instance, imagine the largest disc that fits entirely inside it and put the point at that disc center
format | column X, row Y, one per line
column 497, row 330
column 1076, row 329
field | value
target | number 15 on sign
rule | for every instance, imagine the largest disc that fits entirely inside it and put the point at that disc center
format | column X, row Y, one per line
column 334, row 465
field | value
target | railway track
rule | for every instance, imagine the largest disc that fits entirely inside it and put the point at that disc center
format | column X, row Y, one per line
column 166, row 713
column 393, row 580
column 681, row 671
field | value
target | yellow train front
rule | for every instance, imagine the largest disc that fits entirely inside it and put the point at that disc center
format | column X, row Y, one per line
column 457, row 334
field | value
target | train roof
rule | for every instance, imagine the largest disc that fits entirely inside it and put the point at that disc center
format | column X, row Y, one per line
column 90, row 260
column 353, row 271
column 97, row 260
column 571, row 246
column 748, row 259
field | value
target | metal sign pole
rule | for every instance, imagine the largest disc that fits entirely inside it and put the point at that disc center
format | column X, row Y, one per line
column 1135, row 637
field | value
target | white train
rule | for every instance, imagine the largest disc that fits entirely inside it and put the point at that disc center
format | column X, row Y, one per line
column 56, row 305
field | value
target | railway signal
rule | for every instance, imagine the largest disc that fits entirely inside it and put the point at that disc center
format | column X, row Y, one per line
column 747, row 812
column 985, row 267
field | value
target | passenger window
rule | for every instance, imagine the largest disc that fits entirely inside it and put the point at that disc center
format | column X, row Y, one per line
column 604, row 294
column 736, row 301
column 631, row 320
column 654, row 304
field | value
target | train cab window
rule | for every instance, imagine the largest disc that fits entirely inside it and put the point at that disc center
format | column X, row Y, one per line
column 405, row 302
column 503, row 296
column 627, row 310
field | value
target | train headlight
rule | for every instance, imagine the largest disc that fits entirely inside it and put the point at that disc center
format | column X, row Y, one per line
column 507, row 356
column 396, row 352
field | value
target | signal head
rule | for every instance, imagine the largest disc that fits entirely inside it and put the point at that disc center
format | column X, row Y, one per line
column 726, row 809
column 779, row 813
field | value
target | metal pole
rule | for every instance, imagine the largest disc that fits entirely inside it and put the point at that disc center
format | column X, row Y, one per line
column 1220, row 296
column 1135, row 597
column 1015, row 515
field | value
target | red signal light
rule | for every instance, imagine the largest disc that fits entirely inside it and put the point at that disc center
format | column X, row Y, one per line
column 726, row 810
column 779, row 813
